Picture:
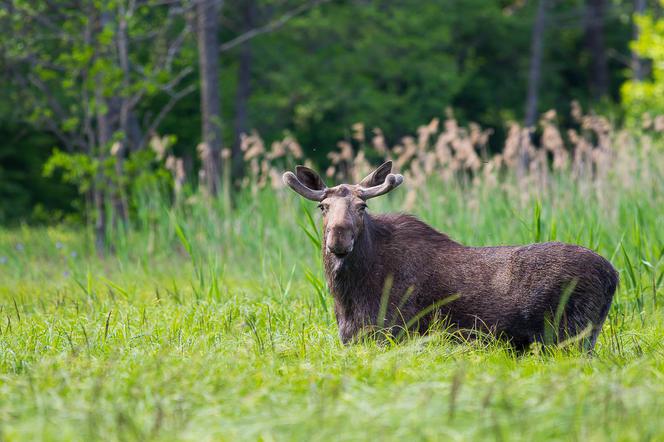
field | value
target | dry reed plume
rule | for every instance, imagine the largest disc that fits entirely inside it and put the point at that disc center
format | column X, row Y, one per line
column 591, row 151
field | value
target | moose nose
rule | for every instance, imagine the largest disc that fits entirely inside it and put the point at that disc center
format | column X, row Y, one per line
column 340, row 249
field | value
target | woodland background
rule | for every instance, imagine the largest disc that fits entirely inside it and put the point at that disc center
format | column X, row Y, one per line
column 88, row 86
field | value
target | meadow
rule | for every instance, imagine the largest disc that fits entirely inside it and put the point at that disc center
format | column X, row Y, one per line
column 212, row 322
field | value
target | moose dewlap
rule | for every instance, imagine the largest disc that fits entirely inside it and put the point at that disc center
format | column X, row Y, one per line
column 394, row 271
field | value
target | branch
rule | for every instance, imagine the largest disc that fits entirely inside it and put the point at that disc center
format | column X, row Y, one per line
column 174, row 98
column 58, row 112
column 272, row 26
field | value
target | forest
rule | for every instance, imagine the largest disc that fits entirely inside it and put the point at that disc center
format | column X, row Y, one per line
column 87, row 85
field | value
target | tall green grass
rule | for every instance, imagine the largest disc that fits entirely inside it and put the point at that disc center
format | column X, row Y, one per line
column 213, row 323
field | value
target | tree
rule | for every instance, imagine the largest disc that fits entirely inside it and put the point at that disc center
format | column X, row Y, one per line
column 81, row 79
column 207, row 19
column 640, row 95
column 638, row 68
column 594, row 39
column 535, row 70
column 248, row 13
column 249, row 28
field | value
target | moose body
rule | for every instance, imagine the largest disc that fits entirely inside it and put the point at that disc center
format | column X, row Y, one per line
column 394, row 271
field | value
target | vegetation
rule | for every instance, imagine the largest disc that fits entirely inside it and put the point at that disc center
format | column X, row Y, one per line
column 204, row 325
column 157, row 282
column 646, row 96
column 101, row 77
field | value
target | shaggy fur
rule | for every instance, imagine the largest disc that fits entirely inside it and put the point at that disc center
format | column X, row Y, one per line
column 512, row 292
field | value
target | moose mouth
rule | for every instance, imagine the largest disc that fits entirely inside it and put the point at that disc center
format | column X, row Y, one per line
column 340, row 254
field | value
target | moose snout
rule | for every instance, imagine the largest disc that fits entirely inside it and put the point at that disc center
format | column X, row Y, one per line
column 340, row 249
column 340, row 241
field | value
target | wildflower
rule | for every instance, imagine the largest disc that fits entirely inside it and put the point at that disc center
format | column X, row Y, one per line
column 73, row 254
column 20, row 247
column 3, row 259
column 58, row 245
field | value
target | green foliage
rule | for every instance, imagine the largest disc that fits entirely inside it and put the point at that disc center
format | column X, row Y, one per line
column 67, row 73
column 389, row 64
column 78, row 169
column 647, row 96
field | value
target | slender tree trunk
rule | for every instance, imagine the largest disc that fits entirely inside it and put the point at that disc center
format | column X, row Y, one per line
column 594, row 24
column 104, row 133
column 103, row 113
column 207, row 12
column 119, row 198
column 535, row 71
column 638, row 66
column 243, row 90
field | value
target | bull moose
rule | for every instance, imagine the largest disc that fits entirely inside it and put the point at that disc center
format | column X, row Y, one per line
column 395, row 270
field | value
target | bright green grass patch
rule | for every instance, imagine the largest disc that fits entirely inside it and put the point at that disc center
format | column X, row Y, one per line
column 234, row 340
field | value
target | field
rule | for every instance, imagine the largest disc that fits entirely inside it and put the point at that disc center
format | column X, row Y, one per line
column 208, row 323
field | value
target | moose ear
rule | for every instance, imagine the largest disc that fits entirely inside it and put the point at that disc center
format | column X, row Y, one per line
column 377, row 177
column 309, row 178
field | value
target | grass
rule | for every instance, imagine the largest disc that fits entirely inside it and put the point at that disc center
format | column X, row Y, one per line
column 211, row 324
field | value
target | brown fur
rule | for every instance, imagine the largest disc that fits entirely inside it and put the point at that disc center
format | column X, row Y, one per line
column 509, row 291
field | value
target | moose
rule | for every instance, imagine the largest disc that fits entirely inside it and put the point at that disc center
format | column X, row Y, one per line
column 394, row 271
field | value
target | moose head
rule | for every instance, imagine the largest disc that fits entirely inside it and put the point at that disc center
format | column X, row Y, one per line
column 343, row 206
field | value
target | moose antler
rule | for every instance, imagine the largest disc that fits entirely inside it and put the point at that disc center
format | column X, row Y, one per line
column 291, row 180
column 391, row 182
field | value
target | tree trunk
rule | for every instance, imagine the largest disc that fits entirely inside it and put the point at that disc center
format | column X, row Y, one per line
column 535, row 71
column 594, row 24
column 207, row 12
column 243, row 90
column 638, row 66
column 119, row 198
column 104, row 134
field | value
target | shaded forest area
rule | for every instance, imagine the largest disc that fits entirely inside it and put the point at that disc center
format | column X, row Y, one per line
column 87, row 86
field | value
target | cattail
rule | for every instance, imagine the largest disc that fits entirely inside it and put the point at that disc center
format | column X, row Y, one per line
column 293, row 147
column 512, row 146
column 254, row 149
column 204, row 151
column 358, row 132
column 346, row 150
column 115, row 148
column 176, row 167
column 576, row 111
column 277, row 150
column 159, row 145
column 442, row 149
column 553, row 142
column 658, row 125
column 409, row 150
column 378, row 141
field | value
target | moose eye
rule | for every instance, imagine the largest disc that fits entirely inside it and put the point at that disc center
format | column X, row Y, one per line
column 361, row 208
column 322, row 207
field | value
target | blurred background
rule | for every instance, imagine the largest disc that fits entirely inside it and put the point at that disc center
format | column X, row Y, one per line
column 107, row 103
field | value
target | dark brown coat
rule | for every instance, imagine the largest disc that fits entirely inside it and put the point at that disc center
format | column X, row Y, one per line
column 509, row 291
